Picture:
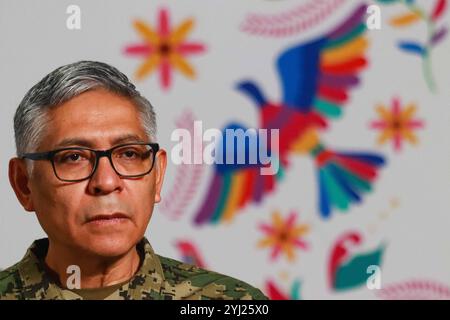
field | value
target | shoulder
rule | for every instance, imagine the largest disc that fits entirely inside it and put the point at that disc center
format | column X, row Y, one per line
column 10, row 283
column 187, row 281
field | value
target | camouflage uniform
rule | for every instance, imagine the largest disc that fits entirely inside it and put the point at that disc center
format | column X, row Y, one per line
column 158, row 278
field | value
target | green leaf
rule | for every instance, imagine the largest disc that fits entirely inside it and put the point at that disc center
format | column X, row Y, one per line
column 354, row 272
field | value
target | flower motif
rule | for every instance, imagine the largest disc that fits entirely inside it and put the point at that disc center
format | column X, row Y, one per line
column 274, row 292
column 283, row 235
column 164, row 49
column 397, row 124
column 436, row 32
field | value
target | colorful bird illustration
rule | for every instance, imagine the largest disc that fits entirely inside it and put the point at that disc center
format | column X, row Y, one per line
column 316, row 78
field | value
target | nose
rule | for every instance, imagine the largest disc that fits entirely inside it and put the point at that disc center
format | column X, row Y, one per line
column 104, row 180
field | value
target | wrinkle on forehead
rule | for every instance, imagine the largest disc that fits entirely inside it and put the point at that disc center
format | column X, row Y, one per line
column 98, row 117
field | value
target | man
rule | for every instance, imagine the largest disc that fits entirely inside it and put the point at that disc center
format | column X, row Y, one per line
column 88, row 165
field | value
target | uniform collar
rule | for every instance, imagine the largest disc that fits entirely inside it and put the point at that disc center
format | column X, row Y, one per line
column 37, row 281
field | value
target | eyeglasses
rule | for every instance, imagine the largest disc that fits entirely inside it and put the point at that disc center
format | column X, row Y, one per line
column 76, row 164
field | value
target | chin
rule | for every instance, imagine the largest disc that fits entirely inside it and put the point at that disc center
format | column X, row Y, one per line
column 110, row 245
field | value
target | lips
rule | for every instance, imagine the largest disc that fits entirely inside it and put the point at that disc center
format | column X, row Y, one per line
column 115, row 217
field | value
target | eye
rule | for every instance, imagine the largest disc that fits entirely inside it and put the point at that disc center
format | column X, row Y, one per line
column 71, row 157
column 129, row 154
column 134, row 152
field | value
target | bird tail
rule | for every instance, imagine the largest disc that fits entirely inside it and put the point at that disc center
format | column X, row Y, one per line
column 229, row 192
column 344, row 177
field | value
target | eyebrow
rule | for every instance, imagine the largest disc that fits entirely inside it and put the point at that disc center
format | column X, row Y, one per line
column 86, row 143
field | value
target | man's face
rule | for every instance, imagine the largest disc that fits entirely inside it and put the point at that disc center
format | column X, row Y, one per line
column 66, row 209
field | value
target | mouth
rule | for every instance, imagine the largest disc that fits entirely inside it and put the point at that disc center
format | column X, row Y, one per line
column 108, row 218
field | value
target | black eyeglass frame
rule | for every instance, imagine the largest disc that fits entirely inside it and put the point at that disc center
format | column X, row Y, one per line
column 49, row 155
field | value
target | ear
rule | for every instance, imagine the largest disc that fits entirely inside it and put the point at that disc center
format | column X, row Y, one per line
column 19, row 180
column 160, row 168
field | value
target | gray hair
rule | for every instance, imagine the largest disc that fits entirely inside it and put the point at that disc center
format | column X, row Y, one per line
column 65, row 83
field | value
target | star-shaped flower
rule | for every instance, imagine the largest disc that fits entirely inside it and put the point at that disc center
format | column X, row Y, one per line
column 164, row 49
column 397, row 124
column 284, row 235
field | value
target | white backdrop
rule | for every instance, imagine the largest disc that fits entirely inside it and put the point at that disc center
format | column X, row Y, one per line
column 408, row 210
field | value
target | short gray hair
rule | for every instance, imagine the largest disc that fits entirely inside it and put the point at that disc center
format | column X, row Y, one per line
column 65, row 83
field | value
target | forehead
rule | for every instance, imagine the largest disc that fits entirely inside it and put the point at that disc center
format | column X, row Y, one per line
column 97, row 117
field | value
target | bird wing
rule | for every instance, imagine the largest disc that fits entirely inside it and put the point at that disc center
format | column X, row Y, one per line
column 319, row 74
column 234, row 185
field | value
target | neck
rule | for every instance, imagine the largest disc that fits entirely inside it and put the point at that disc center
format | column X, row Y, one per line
column 95, row 271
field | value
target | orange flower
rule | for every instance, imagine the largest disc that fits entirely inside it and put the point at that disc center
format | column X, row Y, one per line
column 397, row 124
column 164, row 49
column 283, row 236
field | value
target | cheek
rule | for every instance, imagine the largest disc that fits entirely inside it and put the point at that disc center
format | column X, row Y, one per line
column 43, row 193
column 56, row 205
column 142, row 194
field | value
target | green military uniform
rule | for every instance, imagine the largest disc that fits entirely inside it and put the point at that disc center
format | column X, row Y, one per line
column 158, row 278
